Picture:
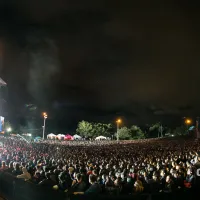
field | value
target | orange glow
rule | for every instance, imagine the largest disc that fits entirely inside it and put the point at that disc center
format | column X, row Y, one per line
column 188, row 121
column 119, row 121
column 44, row 115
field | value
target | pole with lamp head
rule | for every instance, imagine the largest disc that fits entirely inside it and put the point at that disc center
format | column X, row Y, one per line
column 118, row 122
column 188, row 122
column 45, row 117
column 197, row 128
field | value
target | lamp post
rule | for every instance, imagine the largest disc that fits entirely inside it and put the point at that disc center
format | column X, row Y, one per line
column 45, row 117
column 118, row 122
column 188, row 122
column 161, row 130
column 197, row 128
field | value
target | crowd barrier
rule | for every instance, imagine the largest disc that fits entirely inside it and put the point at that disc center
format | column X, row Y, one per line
column 12, row 188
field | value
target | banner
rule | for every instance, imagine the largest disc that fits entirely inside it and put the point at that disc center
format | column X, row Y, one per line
column 1, row 123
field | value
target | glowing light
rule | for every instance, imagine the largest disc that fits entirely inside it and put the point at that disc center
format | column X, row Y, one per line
column 188, row 121
column 119, row 121
column 45, row 115
column 9, row 129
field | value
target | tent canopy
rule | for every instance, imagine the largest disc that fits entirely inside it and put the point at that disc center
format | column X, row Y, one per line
column 68, row 137
column 61, row 135
column 38, row 138
column 77, row 136
column 191, row 128
column 51, row 134
column 100, row 138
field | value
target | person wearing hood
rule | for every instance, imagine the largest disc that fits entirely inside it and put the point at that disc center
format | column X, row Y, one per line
column 26, row 176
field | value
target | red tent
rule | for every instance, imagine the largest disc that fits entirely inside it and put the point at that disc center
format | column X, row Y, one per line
column 68, row 137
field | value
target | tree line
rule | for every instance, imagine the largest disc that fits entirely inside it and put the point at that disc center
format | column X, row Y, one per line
column 92, row 130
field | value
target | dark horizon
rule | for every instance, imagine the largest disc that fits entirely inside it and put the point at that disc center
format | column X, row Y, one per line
column 100, row 60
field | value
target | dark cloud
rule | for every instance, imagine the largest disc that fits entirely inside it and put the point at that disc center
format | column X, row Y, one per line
column 139, row 59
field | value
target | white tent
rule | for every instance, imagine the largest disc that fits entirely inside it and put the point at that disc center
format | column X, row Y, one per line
column 100, row 138
column 60, row 136
column 51, row 136
column 77, row 137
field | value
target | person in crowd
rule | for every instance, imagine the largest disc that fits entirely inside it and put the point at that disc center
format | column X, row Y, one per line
column 3, row 166
column 190, row 179
column 106, row 166
column 169, row 185
column 10, row 168
column 16, row 169
column 26, row 175
column 78, row 184
column 94, row 189
column 138, row 186
column 47, row 182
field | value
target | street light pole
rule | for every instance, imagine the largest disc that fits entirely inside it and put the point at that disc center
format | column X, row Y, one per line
column 117, row 132
column 161, row 130
column 45, row 117
column 197, row 128
column 118, row 122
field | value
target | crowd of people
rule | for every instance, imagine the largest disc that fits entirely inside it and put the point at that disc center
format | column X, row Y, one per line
column 104, row 167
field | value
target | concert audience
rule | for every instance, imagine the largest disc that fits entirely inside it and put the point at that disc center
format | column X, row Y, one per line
column 94, row 167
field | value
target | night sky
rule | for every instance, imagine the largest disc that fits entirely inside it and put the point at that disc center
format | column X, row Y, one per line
column 97, row 60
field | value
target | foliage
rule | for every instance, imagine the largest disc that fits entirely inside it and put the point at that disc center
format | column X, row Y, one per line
column 124, row 133
column 182, row 130
column 85, row 129
column 101, row 129
column 88, row 129
column 156, row 129
column 136, row 132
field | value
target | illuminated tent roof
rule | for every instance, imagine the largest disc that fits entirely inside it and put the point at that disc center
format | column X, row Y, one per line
column 191, row 128
column 77, row 136
column 2, row 83
column 68, row 137
column 100, row 138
